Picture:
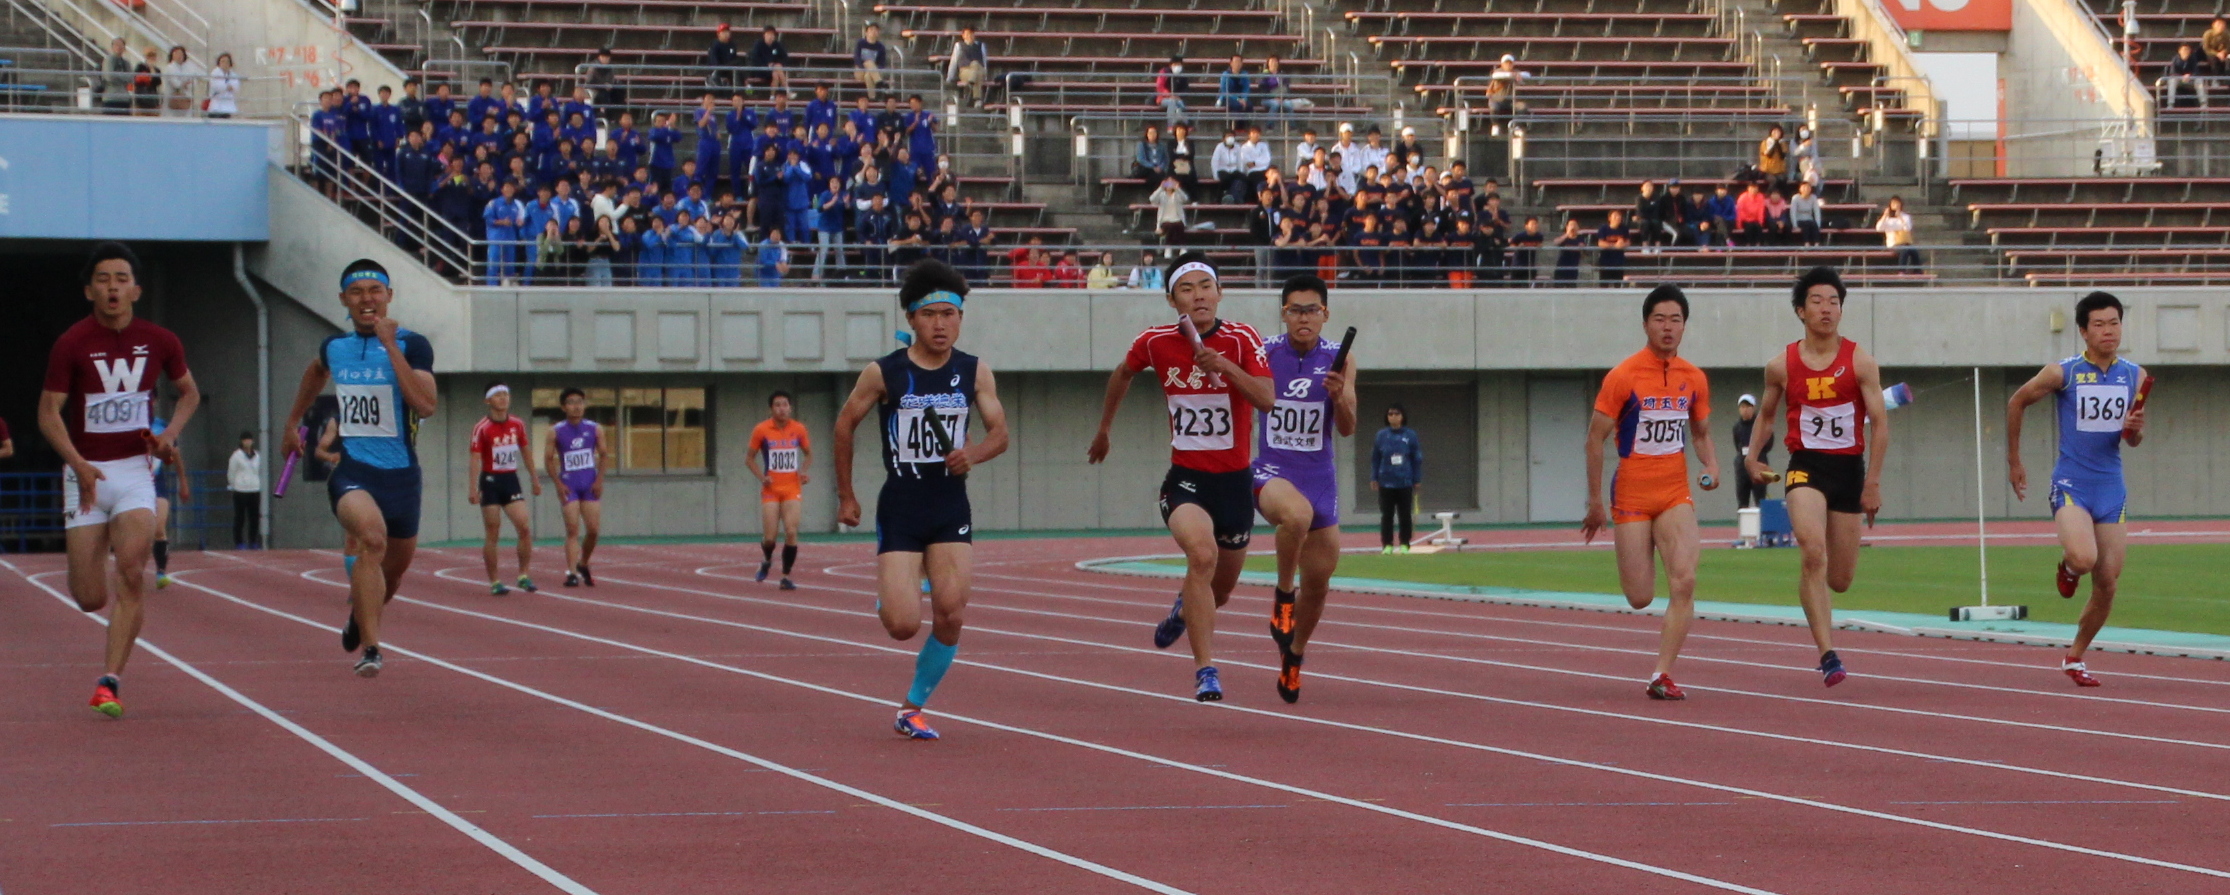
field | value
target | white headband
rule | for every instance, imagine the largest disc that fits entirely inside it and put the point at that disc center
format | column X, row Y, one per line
column 494, row 390
column 1189, row 267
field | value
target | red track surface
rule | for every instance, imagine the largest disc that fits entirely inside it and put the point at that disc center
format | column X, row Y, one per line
column 682, row 729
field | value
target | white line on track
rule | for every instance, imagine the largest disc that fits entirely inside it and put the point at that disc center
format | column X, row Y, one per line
column 1569, row 762
column 994, row 725
column 493, row 843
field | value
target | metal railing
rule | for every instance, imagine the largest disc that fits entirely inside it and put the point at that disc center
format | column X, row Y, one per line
column 79, row 91
column 64, row 37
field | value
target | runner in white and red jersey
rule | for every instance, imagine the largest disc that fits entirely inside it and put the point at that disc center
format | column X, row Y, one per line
column 1215, row 376
column 96, row 409
column 499, row 450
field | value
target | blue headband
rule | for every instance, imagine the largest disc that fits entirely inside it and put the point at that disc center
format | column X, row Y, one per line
column 353, row 277
column 937, row 297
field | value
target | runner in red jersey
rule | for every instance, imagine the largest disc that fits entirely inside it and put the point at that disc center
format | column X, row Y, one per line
column 1215, row 377
column 96, row 409
column 499, row 449
column 1833, row 387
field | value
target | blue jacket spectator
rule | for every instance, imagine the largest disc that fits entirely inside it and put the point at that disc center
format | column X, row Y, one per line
column 901, row 179
column 724, row 256
column 631, row 145
column 708, row 142
column 821, row 110
column 504, row 219
column 774, row 261
column 662, row 139
column 416, row 168
column 651, row 256
column 1397, row 458
column 1232, row 87
column 685, row 255
column 483, row 107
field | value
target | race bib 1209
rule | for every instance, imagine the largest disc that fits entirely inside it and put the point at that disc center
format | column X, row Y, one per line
column 1294, row 426
column 1200, row 422
column 1827, row 428
column 366, row 411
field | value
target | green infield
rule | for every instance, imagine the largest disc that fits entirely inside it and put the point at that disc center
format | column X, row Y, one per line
column 2170, row 587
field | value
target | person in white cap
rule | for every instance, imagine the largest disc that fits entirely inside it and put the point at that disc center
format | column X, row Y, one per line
column 1747, row 493
column 499, row 451
column 1502, row 92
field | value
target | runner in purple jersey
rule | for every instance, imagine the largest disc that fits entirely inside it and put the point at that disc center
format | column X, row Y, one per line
column 1295, row 480
column 575, row 461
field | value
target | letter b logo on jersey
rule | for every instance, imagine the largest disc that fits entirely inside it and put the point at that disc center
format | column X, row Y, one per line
column 1820, row 388
column 121, row 375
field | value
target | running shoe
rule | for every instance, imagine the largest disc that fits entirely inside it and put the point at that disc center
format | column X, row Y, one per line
column 1172, row 627
column 350, row 637
column 1289, row 678
column 527, row 584
column 912, row 724
column 586, row 578
column 162, row 580
column 1207, row 685
column 572, row 579
column 2067, row 581
column 1387, row 550
column 2079, row 673
column 1402, row 550
column 1831, row 669
column 369, row 665
column 498, row 588
column 104, row 698
column 763, row 569
column 1281, row 622
column 1662, row 687
column 787, row 584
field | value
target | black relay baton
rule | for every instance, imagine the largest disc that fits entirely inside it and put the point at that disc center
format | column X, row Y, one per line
column 937, row 435
column 1347, row 343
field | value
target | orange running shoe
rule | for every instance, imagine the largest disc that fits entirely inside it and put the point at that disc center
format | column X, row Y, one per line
column 912, row 724
column 1289, row 678
column 1281, row 623
column 105, row 701
column 2067, row 581
column 1662, row 687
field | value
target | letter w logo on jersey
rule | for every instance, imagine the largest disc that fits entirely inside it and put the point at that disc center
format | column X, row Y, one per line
column 120, row 375
column 1820, row 388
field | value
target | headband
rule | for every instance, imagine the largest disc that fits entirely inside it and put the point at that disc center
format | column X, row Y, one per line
column 1189, row 267
column 494, row 390
column 938, row 297
column 353, row 277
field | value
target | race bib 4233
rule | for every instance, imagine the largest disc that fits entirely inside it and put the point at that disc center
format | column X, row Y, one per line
column 1200, row 422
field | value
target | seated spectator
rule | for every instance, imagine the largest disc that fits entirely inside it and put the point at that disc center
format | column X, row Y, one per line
column 1776, row 219
column 1570, row 245
column 1150, row 159
column 1525, row 253
column 1147, row 275
column 1897, row 233
column 1183, row 165
column 1650, row 212
column 2188, row 73
column 1102, row 274
column 1223, row 166
column 1254, row 163
column 875, row 227
column 1611, row 241
column 769, row 62
column 602, row 82
column 869, row 58
column 969, row 68
column 1272, row 93
column 1170, row 204
column 1502, row 93
column 1170, row 85
column 1233, row 87
column 720, row 61
column 1805, row 215
column 1722, row 211
column 1068, row 273
column 1749, row 215
column 1773, row 157
column 1032, row 270
column 2216, row 42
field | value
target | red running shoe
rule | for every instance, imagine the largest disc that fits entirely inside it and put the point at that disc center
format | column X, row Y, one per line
column 104, row 701
column 2078, row 673
column 1662, row 687
column 2068, row 580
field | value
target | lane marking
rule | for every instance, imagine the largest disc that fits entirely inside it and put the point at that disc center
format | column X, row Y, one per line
column 493, row 843
column 681, row 814
column 1151, row 808
column 785, row 770
column 163, row 823
column 1516, row 753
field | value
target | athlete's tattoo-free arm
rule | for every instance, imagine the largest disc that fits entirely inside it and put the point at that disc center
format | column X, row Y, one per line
column 1118, row 385
column 866, row 393
column 2045, row 382
column 1256, row 389
column 417, row 385
column 1761, row 426
column 1877, row 447
column 472, row 474
column 994, row 414
column 58, row 436
column 526, row 458
column 1599, row 426
column 313, row 384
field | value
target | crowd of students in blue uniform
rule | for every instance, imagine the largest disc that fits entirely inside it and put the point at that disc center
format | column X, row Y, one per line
column 552, row 189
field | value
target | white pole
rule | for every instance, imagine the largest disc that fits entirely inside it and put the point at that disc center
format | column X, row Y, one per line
column 1981, row 502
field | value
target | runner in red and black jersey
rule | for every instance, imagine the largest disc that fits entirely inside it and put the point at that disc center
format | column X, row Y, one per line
column 1215, row 377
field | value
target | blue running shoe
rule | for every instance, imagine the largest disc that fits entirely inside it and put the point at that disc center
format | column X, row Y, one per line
column 1831, row 669
column 925, row 585
column 1172, row 627
column 912, row 724
column 763, row 569
column 1207, row 685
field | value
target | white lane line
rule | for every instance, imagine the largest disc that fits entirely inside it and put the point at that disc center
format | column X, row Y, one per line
column 1515, row 753
column 493, row 843
column 948, row 716
column 2033, row 725
column 785, row 770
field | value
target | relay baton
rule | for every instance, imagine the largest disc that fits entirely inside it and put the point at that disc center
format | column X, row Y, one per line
column 2144, row 390
column 1347, row 343
column 287, row 474
column 1184, row 322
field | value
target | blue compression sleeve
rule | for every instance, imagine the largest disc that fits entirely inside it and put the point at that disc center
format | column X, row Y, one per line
column 349, row 563
column 929, row 668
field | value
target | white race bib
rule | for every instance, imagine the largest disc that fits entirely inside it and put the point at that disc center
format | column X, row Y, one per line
column 365, row 412
column 915, row 443
column 2101, row 408
column 504, row 458
column 782, row 460
column 1395, row 460
column 1827, row 428
column 575, row 461
column 1294, row 426
column 1200, row 422
column 117, row 412
column 1658, row 433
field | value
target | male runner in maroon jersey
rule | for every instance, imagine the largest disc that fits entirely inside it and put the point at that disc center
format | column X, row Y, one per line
column 96, row 409
column 1216, row 376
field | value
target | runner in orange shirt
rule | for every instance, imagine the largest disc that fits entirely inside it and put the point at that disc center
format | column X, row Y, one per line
column 779, row 456
column 1653, row 401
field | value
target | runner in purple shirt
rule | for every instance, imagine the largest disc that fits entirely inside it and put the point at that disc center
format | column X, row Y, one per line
column 1296, row 484
column 575, row 459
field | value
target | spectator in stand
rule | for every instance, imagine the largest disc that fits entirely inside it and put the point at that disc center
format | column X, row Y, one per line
column 797, row 185
column 1502, row 93
column 876, row 227
column 829, row 207
column 1233, row 88
column 1273, row 92
column 602, row 81
column 1806, row 215
column 1031, row 268
column 147, row 85
column 548, row 253
column 116, row 80
column 503, row 218
column 1749, row 215
column 1254, row 163
column 1149, row 160
column 1650, row 212
column 1806, row 152
column 1169, row 203
column 1570, row 245
column 2216, row 41
column 224, row 88
column 2188, row 72
column 969, row 67
column 869, row 58
column 1306, row 151
column 1170, row 86
column 1776, row 219
column 1611, row 241
column 774, row 260
column 1183, row 165
column 387, row 133
column 769, row 62
column 1147, row 274
column 603, row 249
column 921, row 135
column 1525, row 253
column 626, row 260
column 1223, row 165
column 720, row 60
column 650, row 253
column 1897, row 233
column 182, row 79
column 1718, row 212
column 416, row 167
column 1102, row 274
column 1068, row 273
column 685, row 251
column 1773, row 157
column 440, row 104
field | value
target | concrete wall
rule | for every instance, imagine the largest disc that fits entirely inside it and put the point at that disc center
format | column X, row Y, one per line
column 81, row 177
column 2064, row 85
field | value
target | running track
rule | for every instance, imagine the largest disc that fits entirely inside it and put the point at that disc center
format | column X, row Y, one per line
column 682, row 729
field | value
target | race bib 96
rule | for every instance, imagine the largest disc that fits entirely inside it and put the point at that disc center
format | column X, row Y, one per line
column 1828, row 428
